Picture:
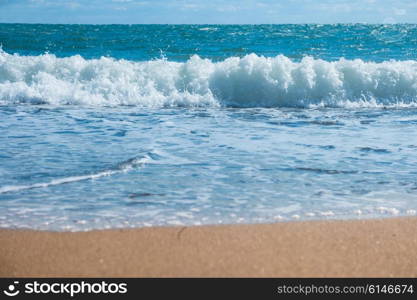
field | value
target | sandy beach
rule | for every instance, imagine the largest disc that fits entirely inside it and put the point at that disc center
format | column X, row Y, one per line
column 364, row 248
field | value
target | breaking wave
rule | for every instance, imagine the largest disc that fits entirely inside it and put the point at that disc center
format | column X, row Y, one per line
column 250, row 81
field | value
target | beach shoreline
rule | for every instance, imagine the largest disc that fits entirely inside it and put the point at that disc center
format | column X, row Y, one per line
column 337, row 248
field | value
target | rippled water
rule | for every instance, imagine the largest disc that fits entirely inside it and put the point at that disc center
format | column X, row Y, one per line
column 226, row 137
column 216, row 42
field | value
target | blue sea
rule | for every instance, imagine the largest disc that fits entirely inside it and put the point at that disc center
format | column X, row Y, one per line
column 115, row 126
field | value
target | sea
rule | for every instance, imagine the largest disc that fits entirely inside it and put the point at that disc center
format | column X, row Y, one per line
column 119, row 126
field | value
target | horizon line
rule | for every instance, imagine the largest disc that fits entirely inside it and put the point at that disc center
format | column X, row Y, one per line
column 211, row 24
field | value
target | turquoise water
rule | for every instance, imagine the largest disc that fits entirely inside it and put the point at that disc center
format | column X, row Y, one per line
column 143, row 125
column 180, row 42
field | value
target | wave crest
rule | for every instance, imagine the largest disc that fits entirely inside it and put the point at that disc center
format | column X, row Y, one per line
column 250, row 81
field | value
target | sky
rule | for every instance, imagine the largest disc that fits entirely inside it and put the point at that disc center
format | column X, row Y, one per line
column 207, row 11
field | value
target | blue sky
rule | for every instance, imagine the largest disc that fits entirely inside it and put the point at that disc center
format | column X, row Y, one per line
column 207, row 12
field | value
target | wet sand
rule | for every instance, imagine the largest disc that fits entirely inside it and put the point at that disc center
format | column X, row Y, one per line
column 354, row 248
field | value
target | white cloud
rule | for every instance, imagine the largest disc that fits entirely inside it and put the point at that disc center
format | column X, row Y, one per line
column 261, row 4
column 400, row 11
column 73, row 5
column 389, row 20
column 192, row 6
column 336, row 7
column 228, row 8
column 143, row 3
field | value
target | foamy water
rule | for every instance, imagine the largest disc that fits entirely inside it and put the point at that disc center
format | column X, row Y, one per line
column 132, row 126
column 249, row 81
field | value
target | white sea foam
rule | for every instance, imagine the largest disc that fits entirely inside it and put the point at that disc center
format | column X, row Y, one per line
column 122, row 167
column 249, row 81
